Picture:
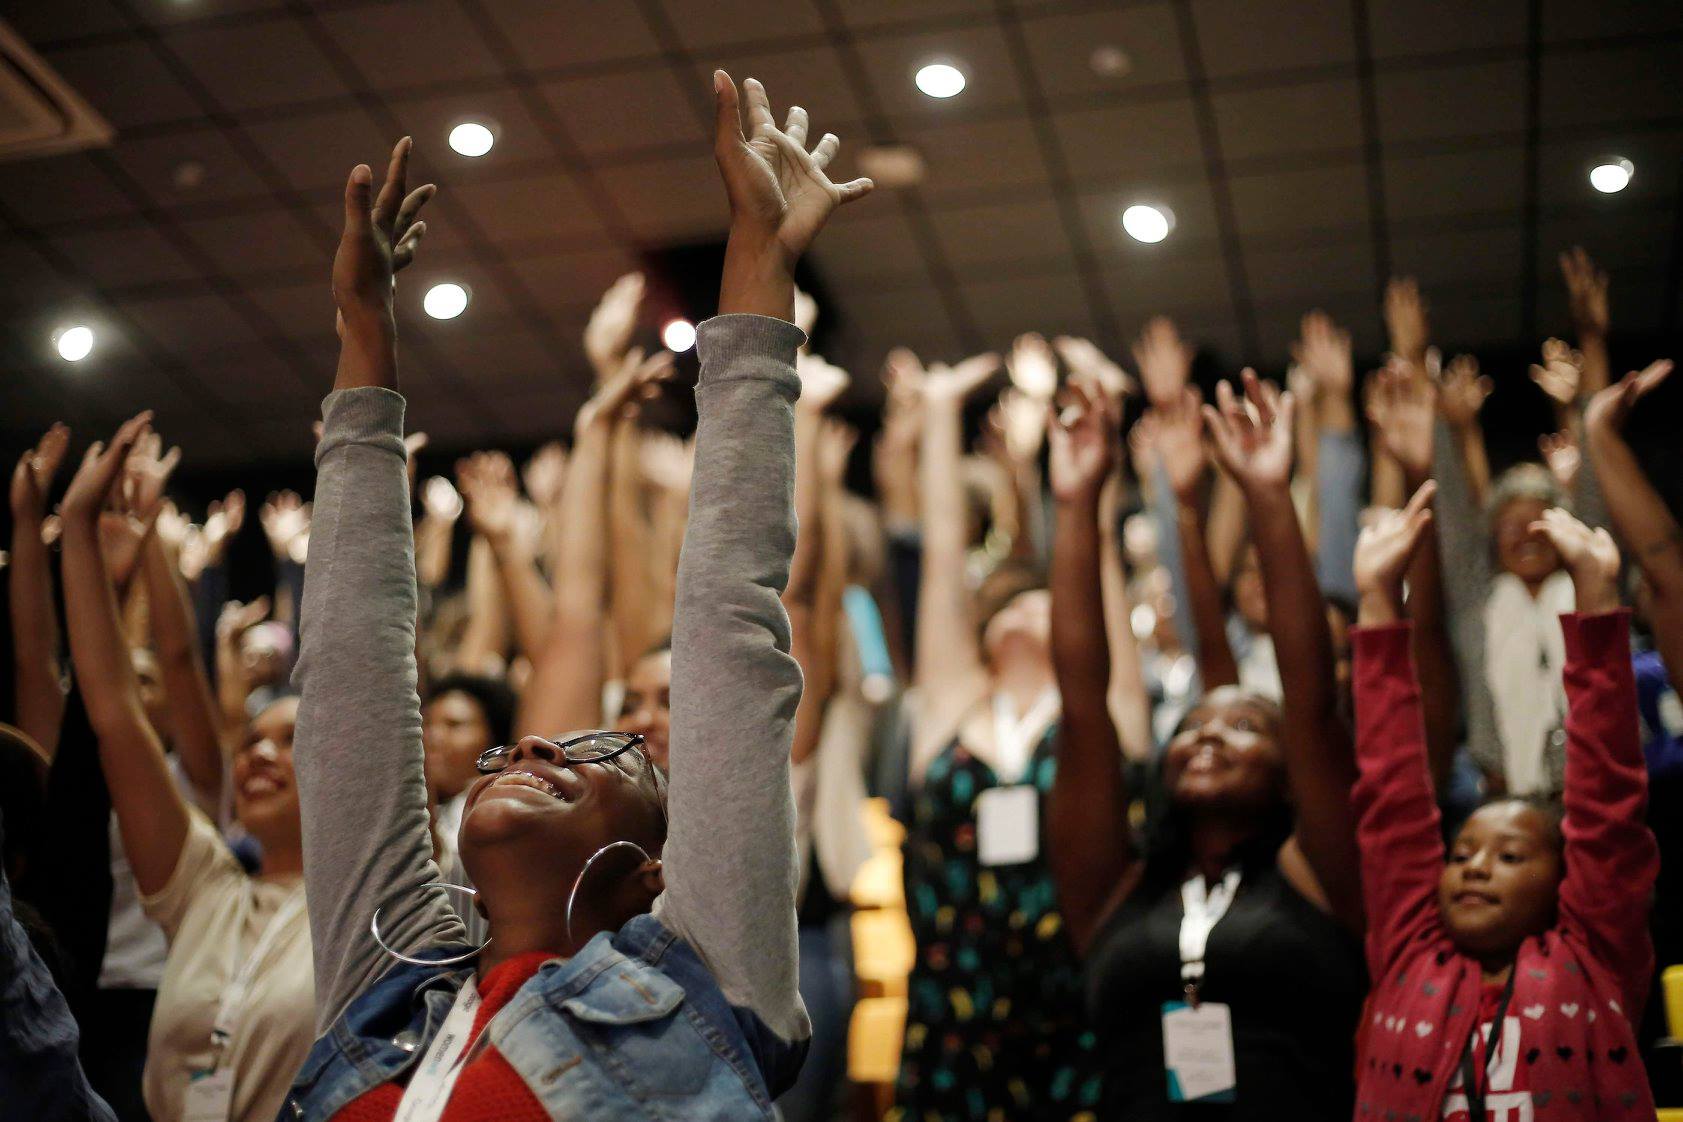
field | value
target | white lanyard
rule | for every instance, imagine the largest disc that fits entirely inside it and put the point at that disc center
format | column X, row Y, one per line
column 238, row 989
column 429, row 1088
column 1203, row 908
column 1014, row 737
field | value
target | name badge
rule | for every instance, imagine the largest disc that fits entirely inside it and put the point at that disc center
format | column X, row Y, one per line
column 1198, row 1052
column 210, row 1096
column 1008, row 825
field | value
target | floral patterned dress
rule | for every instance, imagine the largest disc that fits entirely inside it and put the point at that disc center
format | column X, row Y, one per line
column 995, row 1028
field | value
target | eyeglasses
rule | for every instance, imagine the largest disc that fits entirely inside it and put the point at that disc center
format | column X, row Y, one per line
column 590, row 747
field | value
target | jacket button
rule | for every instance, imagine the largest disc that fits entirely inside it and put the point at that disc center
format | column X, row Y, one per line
column 406, row 1040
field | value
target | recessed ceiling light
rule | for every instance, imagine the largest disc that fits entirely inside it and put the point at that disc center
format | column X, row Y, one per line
column 678, row 335
column 75, row 343
column 445, row 301
column 940, row 79
column 1612, row 175
column 471, row 138
column 1148, row 223
column 892, row 165
column 1110, row 61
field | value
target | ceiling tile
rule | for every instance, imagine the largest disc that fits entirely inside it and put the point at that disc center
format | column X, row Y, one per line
column 1160, row 277
column 743, row 21
column 1484, row 99
column 300, row 311
column 118, row 258
column 577, row 278
column 1564, row 165
column 669, row 199
column 493, row 353
column 1567, row 19
column 190, row 325
column 255, row 376
column 977, row 236
column 1005, row 306
column 1332, row 198
column 109, row 74
column 809, row 76
column 1132, row 140
column 520, row 145
column 253, row 66
column 171, row 12
column 489, row 298
column 1618, row 242
column 1062, row 46
column 963, row 156
column 64, row 19
column 241, row 245
column 868, row 241
column 888, row 13
column 1469, row 322
column 60, row 189
column 1270, row 123
column 1427, row 27
column 979, row 52
column 1615, row 85
column 889, row 319
column 1308, row 276
column 594, row 31
column 1279, row 322
column 439, row 42
column 1454, row 183
column 162, row 164
column 627, row 111
column 1260, row 36
column 1437, row 258
column 319, row 149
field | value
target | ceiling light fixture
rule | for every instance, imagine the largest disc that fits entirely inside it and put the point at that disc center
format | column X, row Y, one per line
column 445, row 301
column 471, row 139
column 1612, row 176
column 678, row 335
column 940, row 79
column 74, row 343
column 1148, row 223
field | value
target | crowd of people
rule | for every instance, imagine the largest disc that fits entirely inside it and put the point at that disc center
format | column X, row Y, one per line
column 1267, row 757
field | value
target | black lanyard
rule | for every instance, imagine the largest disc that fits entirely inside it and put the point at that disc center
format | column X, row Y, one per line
column 1469, row 1066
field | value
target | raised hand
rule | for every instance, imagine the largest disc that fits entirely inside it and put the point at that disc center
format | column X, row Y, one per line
column 637, row 380
column 92, row 487
column 607, row 336
column 1405, row 319
column 223, row 522
column 1563, row 457
column 237, row 618
column 32, row 479
column 1323, row 352
column 940, row 384
column 1462, row 392
column 380, row 236
column 835, row 447
column 1083, row 434
column 667, row 462
column 780, row 196
column 1252, row 435
column 146, row 474
column 1561, row 373
column 1032, row 367
column 1589, row 555
column 1085, row 360
column 1019, row 424
column 440, row 499
column 1586, row 292
column 286, row 523
column 1610, row 409
column 487, row 482
column 1401, row 409
column 1179, row 429
column 1165, row 361
column 822, row 382
column 1384, row 551
column 545, row 474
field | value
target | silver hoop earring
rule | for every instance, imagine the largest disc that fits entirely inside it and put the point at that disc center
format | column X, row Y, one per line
column 374, row 928
column 579, row 880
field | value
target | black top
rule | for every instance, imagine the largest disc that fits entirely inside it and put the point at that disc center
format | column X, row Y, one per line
column 1292, row 975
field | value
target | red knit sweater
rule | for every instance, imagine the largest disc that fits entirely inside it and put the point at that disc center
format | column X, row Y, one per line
column 1579, row 987
column 488, row 1090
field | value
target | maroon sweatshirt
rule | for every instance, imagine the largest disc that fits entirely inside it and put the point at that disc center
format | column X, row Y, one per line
column 1567, row 1049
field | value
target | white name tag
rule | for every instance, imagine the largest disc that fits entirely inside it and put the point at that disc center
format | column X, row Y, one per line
column 210, row 1096
column 1198, row 1052
column 1008, row 825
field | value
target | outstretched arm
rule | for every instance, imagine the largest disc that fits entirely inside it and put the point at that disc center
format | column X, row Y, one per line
column 366, row 845
column 1253, row 440
column 39, row 699
column 1089, row 840
column 730, row 848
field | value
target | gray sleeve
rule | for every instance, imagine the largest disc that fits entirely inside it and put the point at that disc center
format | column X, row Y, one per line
column 1464, row 555
column 730, row 847
column 1163, row 506
column 1589, row 505
column 357, row 750
column 1340, row 472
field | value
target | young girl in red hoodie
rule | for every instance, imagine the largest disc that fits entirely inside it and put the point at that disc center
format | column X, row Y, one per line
column 1507, row 977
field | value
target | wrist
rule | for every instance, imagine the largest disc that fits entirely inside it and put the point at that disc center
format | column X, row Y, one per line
column 1377, row 607
column 1335, row 412
column 758, row 276
column 1082, row 499
column 1594, row 593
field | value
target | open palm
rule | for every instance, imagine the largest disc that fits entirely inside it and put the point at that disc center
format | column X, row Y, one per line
column 1253, row 435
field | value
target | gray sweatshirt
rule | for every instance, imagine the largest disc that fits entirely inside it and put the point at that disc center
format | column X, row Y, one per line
column 729, row 858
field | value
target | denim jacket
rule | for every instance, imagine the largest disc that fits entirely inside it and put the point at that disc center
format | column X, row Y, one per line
column 632, row 1027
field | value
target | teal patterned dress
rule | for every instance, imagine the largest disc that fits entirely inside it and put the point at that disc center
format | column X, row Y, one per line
column 996, row 1028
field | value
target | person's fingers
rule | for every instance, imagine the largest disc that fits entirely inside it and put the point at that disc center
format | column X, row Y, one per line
column 727, row 116
column 359, row 195
column 758, row 105
column 855, row 189
column 1422, row 498
column 396, row 185
column 1652, row 375
column 411, row 206
column 796, row 124
column 825, row 150
column 170, row 460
